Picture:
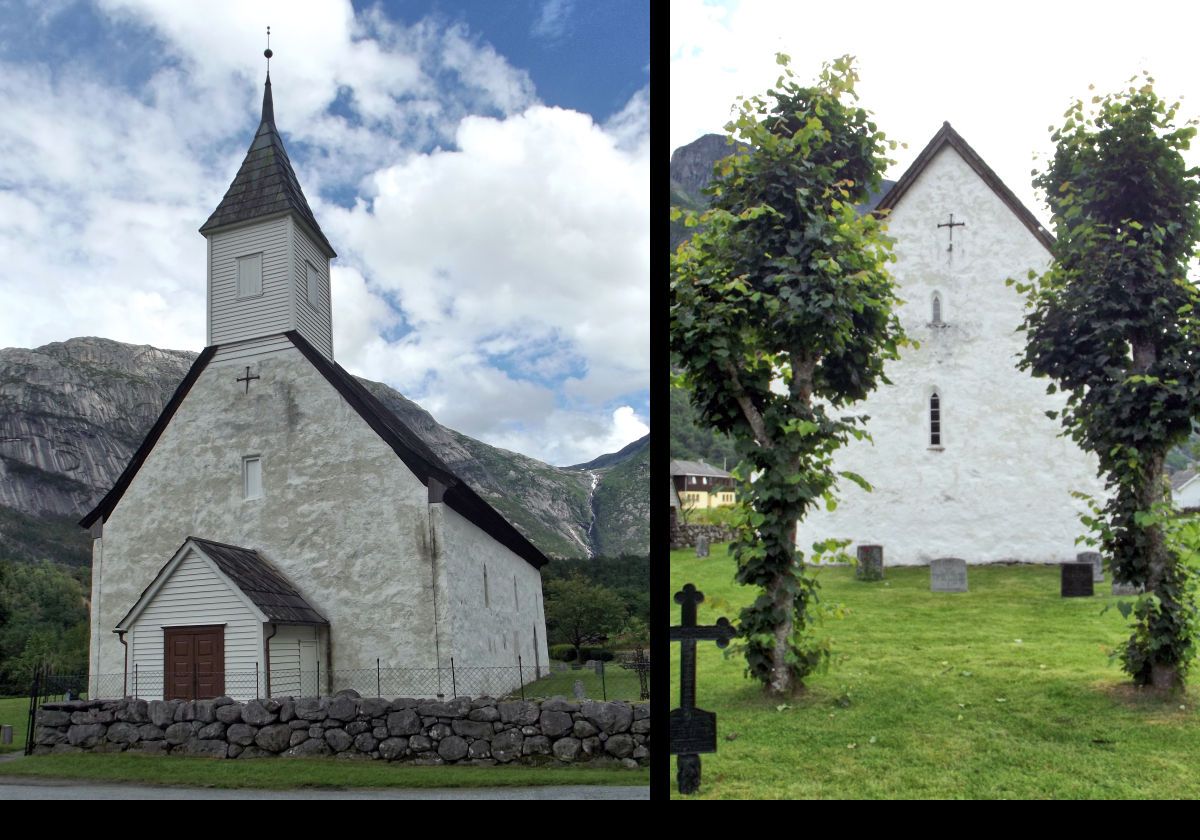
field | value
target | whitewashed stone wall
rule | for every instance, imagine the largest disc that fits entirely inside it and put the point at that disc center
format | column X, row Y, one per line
column 342, row 516
column 492, row 631
column 999, row 488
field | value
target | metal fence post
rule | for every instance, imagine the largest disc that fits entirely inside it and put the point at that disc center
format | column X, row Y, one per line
column 318, row 675
column 135, row 679
column 453, row 680
column 256, row 693
column 378, row 690
column 603, row 686
column 521, row 676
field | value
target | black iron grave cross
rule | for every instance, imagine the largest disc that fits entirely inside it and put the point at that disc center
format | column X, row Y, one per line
column 693, row 731
column 640, row 663
column 247, row 378
column 952, row 225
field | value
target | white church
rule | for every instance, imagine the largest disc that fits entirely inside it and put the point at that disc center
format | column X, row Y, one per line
column 965, row 462
column 279, row 531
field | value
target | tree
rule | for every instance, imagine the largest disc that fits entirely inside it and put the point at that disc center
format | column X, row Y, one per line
column 1116, row 324
column 581, row 612
column 781, row 311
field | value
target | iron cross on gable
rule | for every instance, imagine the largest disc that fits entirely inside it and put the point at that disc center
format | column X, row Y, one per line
column 952, row 225
column 247, row 378
column 693, row 731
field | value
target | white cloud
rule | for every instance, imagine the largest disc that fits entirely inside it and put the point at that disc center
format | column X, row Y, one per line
column 499, row 244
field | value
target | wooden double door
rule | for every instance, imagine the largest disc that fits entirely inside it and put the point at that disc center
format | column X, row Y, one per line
column 194, row 662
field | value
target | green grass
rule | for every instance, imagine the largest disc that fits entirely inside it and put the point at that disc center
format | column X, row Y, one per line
column 1006, row 691
column 619, row 684
column 14, row 711
column 279, row 773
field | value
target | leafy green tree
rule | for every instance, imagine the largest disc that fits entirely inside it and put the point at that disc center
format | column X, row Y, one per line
column 782, row 314
column 582, row 613
column 1116, row 324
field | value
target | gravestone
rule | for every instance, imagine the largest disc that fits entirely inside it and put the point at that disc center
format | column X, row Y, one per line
column 948, row 574
column 6, row 734
column 692, row 730
column 701, row 546
column 1097, row 562
column 870, row 563
column 578, row 690
column 1077, row 580
column 1126, row 588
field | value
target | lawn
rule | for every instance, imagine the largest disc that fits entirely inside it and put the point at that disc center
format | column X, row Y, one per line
column 279, row 773
column 14, row 711
column 618, row 684
column 1006, row 691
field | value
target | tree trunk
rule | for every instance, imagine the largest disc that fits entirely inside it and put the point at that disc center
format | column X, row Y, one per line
column 781, row 673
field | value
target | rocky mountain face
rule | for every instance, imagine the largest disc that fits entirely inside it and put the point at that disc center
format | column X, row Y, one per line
column 72, row 413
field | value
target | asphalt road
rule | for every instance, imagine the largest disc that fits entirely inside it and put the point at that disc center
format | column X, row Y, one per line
column 18, row 788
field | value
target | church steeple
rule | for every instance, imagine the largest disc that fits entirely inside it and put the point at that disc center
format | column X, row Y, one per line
column 268, row 259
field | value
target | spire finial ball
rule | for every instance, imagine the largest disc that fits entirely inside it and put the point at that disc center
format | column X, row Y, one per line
column 268, row 53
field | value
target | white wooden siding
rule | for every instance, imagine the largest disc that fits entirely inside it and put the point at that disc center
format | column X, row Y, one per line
column 252, row 348
column 195, row 595
column 234, row 318
column 313, row 320
column 289, row 678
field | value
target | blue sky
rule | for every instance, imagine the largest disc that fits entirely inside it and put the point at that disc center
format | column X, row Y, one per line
column 482, row 169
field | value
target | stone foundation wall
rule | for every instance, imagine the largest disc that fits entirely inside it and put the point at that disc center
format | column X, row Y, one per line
column 462, row 730
column 684, row 536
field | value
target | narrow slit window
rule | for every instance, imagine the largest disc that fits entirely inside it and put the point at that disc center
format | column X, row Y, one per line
column 250, row 275
column 516, row 597
column 252, row 477
column 487, row 601
column 937, row 309
column 935, row 420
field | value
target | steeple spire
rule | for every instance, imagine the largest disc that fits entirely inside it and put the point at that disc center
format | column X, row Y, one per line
column 268, row 111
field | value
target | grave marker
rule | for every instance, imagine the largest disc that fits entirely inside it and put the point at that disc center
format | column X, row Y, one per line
column 870, row 563
column 948, row 574
column 1097, row 562
column 701, row 546
column 1126, row 588
column 693, row 730
column 1077, row 580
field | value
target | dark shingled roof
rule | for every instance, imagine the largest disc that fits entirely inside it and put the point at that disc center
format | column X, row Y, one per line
column 266, row 184
column 263, row 584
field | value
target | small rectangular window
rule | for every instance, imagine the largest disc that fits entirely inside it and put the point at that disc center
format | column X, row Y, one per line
column 250, row 275
column 313, row 288
column 252, row 477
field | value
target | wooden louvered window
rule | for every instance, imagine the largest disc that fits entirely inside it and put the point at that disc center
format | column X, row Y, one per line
column 250, row 275
column 935, row 420
column 313, row 289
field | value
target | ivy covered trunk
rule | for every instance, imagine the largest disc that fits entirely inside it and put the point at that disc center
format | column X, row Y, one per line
column 1114, row 321
column 781, row 318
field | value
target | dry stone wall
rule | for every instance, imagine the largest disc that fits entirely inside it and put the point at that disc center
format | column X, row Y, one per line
column 463, row 730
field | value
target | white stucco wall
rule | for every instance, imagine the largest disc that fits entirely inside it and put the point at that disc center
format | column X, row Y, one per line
column 999, row 489
column 342, row 516
column 495, row 630
column 194, row 594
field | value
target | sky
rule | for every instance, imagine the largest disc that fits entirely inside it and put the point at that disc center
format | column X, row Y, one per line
column 1001, row 74
column 481, row 168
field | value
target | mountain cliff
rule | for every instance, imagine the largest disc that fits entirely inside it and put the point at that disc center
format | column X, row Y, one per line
column 72, row 413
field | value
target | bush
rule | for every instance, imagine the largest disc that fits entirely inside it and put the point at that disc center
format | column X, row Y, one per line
column 562, row 653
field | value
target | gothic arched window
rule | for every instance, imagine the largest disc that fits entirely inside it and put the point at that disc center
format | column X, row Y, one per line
column 937, row 309
column 935, row 420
